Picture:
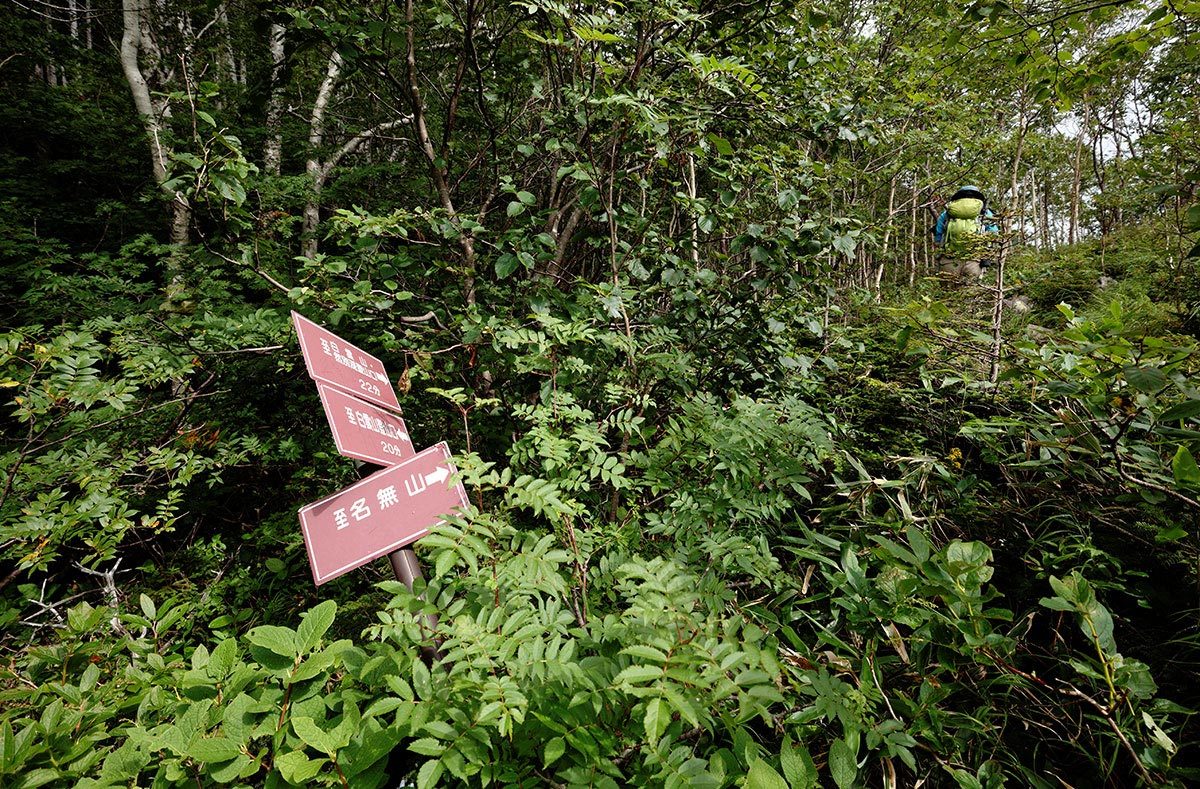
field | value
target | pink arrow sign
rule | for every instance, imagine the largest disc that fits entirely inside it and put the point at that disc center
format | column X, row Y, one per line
column 334, row 361
column 385, row 511
column 364, row 431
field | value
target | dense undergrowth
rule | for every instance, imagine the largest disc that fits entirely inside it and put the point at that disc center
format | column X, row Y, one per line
column 753, row 502
column 827, row 552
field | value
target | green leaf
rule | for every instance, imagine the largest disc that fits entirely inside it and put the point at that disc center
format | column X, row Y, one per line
column 721, row 144
column 554, row 750
column 314, row 624
column 506, row 264
column 798, row 765
column 763, row 776
column 639, row 674
column 230, row 771
column 1145, row 379
column 430, row 772
column 1187, row 473
column 281, row 641
column 845, row 243
column 297, row 768
column 213, row 749
column 422, row 681
column 842, row 766
column 526, row 197
column 88, row 680
column 515, row 208
column 312, row 734
column 1185, row 410
column 39, row 777
column 658, row 716
column 221, row 661
column 147, row 606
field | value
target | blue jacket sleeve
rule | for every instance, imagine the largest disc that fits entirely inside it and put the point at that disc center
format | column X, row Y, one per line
column 989, row 222
column 939, row 230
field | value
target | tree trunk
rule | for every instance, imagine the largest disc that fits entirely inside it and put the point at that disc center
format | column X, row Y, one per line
column 273, row 148
column 152, row 111
column 317, row 173
column 1077, row 178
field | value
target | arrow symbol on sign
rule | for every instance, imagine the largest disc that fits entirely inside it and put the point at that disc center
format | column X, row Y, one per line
column 440, row 475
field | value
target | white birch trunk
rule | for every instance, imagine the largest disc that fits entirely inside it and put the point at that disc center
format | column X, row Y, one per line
column 273, row 149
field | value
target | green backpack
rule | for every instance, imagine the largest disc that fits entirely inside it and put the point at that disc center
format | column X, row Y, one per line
column 963, row 227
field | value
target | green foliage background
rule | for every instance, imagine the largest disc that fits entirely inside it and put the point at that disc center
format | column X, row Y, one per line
column 748, row 508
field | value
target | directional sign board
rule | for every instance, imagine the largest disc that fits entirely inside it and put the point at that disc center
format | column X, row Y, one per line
column 363, row 431
column 333, row 361
column 384, row 512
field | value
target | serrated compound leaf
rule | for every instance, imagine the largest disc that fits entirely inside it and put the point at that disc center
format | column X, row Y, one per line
column 657, row 717
column 554, row 750
column 429, row 774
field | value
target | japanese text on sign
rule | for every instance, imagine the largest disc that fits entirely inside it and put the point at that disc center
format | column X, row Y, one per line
column 387, row 510
column 364, row 431
column 332, row 360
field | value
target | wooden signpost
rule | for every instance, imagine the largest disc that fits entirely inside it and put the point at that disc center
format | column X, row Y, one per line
column 392, row 508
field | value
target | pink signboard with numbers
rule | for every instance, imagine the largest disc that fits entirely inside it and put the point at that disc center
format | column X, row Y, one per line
column 379, row 514
column 333, row 361
column 364, row 431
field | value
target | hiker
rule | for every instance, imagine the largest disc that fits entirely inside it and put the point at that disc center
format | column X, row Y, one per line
column 961, row 234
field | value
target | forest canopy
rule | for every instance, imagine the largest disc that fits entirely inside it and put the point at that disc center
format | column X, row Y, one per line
column 821, row 378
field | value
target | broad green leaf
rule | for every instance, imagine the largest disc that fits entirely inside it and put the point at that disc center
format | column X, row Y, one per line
column 88, row 680
column 221, row 661
column 312, row 734
column 639, row 674
column 1145, row 379
column 37, row 777
column 798, row 765
column 842, row 766
column 297, row 768
column 506, row 264
column 422, row 681
column 314, row 624
column 213, row 749
column 1185, row 410
column 1187, row 473
column 231, row 770
column 763, row 776
column 721, row 144
column 281, row 641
